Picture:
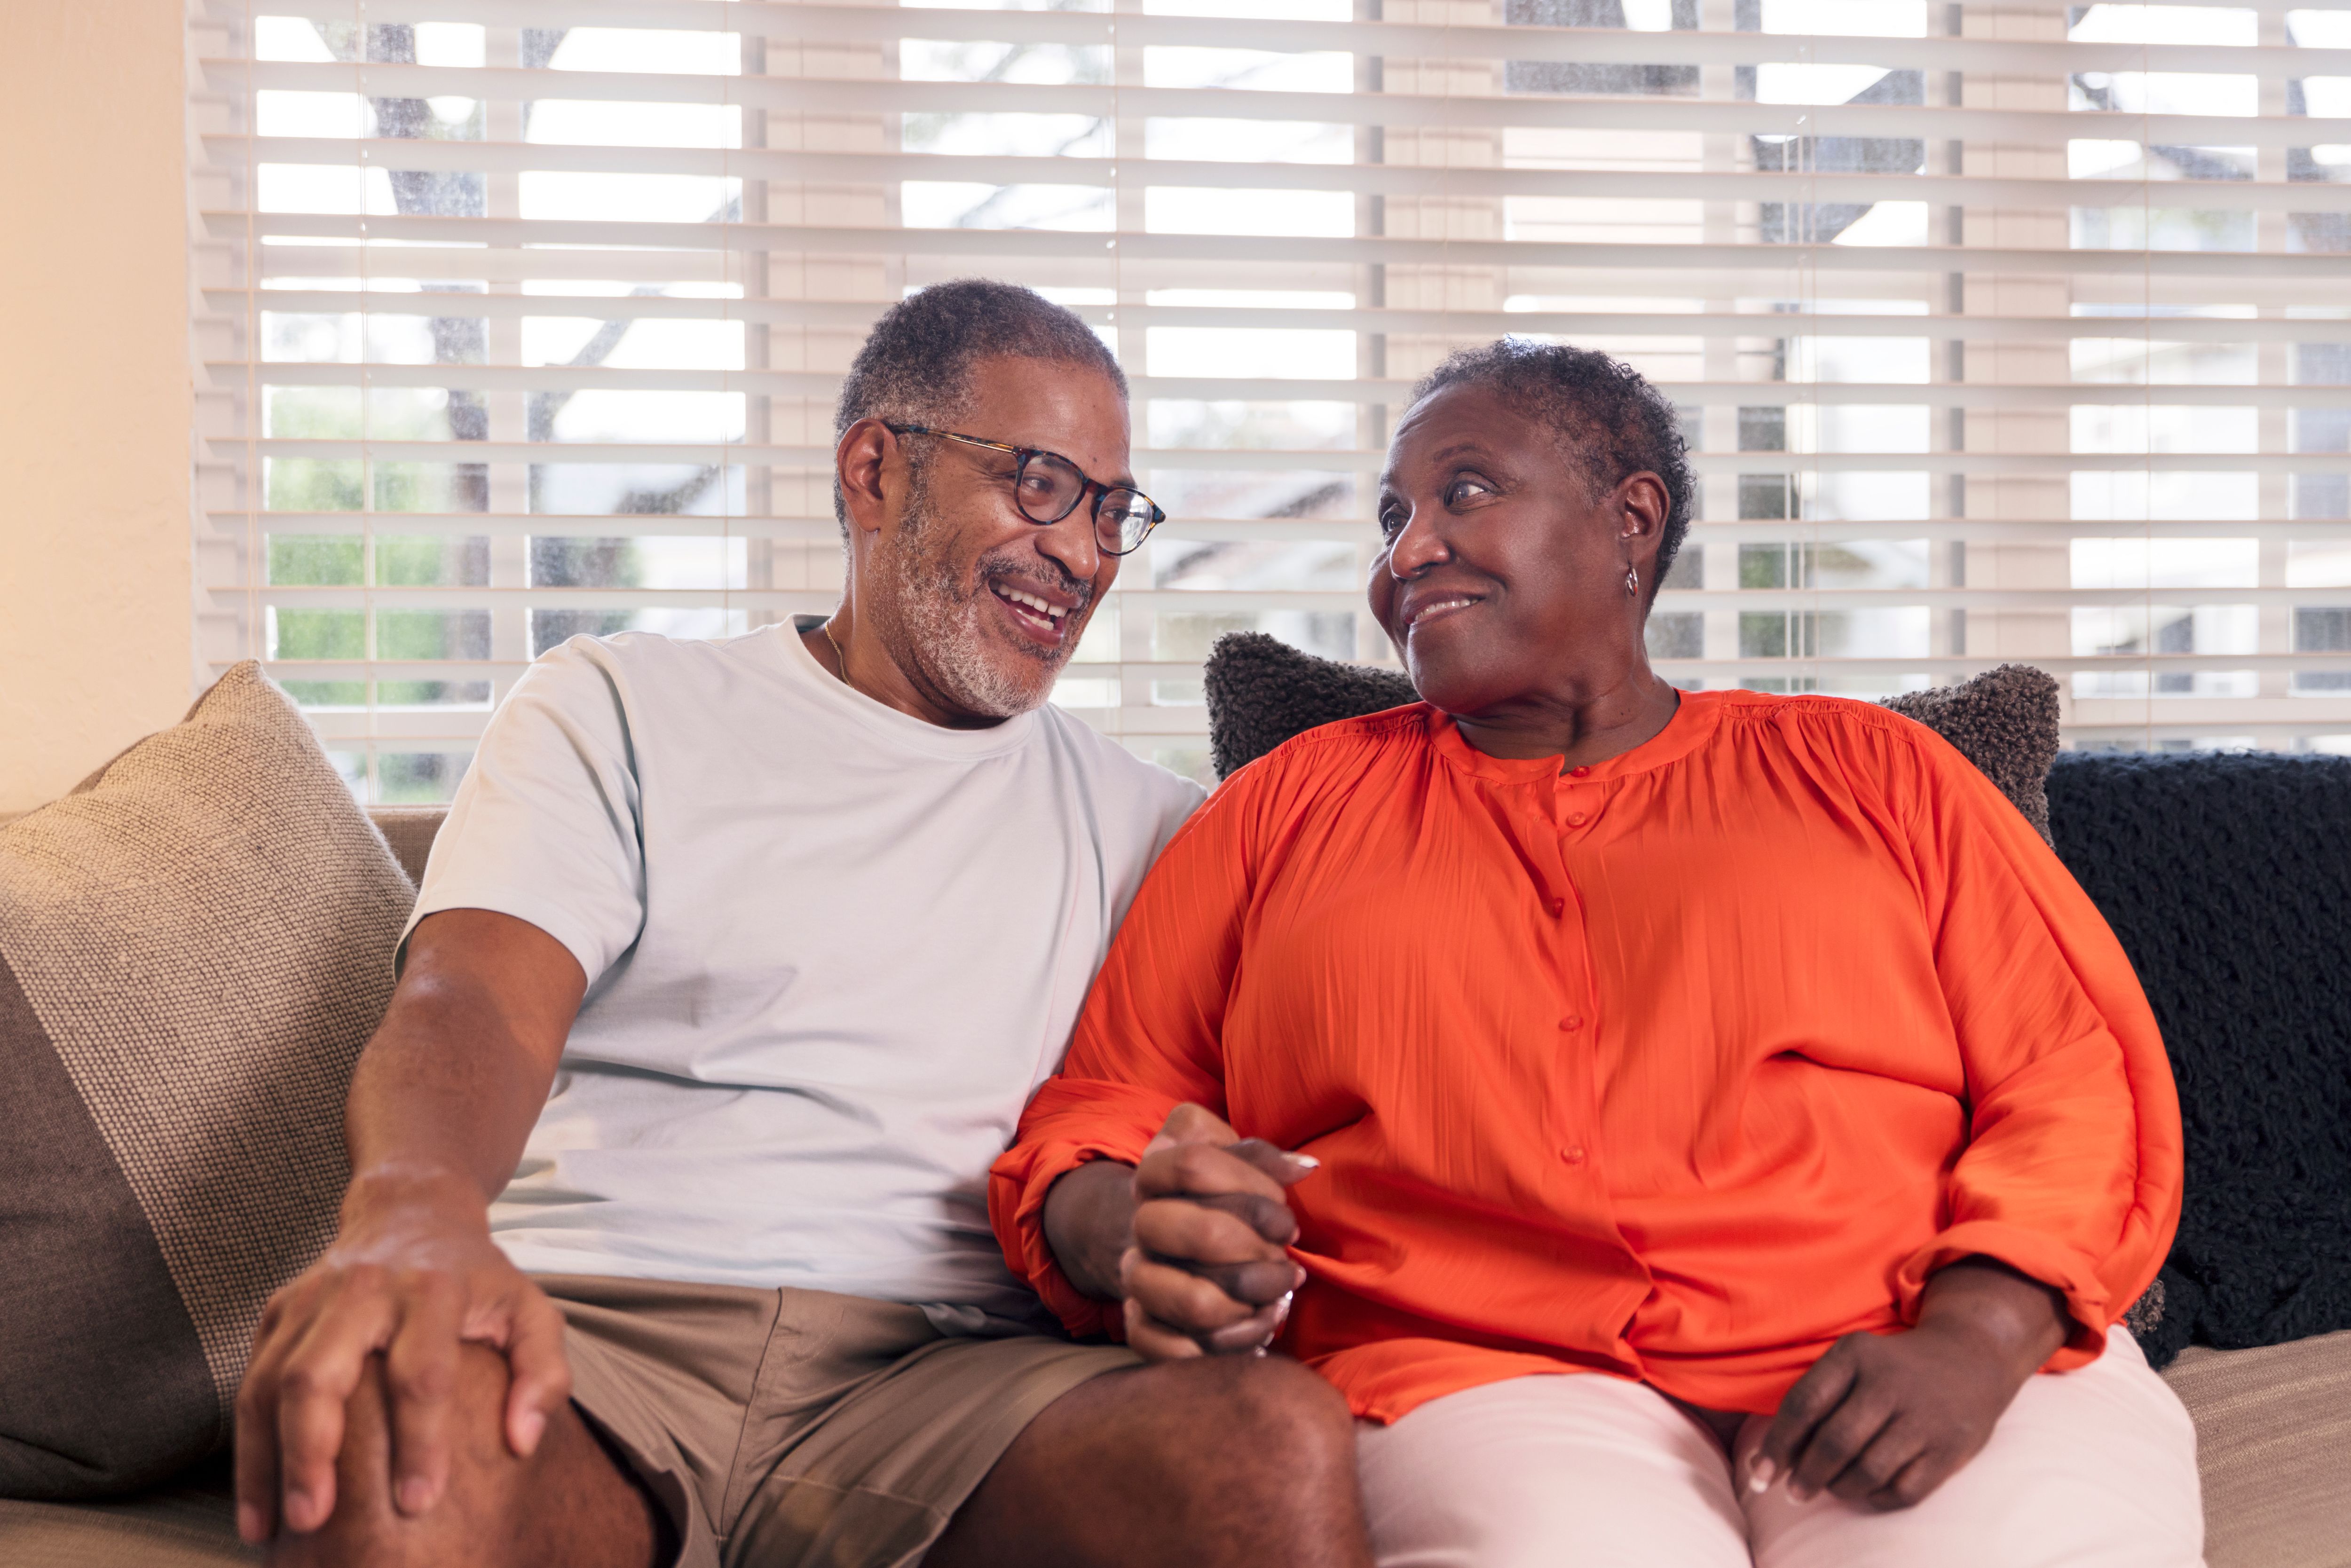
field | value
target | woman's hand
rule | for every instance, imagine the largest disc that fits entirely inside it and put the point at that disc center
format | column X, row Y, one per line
column 1208, row 1272
column 1884, row 1419
column 1193, row 1240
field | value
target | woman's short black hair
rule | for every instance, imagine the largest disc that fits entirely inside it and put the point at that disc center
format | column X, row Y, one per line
column 916, row 368
column 1606, row 417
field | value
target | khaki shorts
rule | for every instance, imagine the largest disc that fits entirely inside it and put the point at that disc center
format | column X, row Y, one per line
column 799, row 1428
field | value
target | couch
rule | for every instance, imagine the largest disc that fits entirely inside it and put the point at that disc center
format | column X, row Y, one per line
column 2155, row 841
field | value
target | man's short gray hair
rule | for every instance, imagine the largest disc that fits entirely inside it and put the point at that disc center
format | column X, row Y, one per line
column 916, row 367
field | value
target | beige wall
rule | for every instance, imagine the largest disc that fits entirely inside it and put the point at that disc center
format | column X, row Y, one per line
column 96, row 637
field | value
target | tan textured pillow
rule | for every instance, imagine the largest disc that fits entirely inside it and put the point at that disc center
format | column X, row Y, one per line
column 193, row 946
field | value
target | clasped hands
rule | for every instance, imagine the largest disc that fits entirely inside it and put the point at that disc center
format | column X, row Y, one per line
column 1208, row 1271
column 1193, row 1239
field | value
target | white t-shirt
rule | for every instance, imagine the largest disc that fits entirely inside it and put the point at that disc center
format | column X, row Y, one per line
column 830, row 952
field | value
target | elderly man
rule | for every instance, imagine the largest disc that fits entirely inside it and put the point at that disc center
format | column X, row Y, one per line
column 666, row 1237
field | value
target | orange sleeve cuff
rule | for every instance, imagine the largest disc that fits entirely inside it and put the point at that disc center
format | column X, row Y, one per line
column 2064, row 1269
column 1070, row 1124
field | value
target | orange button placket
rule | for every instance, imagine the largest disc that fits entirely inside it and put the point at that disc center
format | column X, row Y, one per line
column 1574, row 812
column 1575, row 1109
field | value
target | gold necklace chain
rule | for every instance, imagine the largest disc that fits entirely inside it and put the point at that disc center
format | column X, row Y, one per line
column 840, row 655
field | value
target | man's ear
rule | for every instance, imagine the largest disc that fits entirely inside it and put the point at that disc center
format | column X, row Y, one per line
column 865, row 450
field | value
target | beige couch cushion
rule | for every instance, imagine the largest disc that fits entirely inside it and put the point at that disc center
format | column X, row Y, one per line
column 2274, row 1441
column 409, row 829
column 191, row 1523
column 193, row 946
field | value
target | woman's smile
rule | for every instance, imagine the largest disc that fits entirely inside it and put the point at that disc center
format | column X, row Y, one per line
column 1431, row 606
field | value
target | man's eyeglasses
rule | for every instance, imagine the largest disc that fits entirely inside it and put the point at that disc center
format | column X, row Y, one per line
column 1048, row 486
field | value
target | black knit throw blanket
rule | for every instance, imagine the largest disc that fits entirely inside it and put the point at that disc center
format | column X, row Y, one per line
column 2227, row 880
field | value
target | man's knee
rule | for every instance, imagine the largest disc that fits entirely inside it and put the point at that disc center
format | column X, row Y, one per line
column 1272, row 1404
column 1263, row 1427
column 1217, row 1463
column 468, row 1520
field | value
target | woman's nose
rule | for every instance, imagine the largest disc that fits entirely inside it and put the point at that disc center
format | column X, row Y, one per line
column 1417, row 545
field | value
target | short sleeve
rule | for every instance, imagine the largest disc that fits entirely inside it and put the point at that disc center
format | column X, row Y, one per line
column 545, row 827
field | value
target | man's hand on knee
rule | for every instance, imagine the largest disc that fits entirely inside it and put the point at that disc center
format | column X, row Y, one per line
column 413, row 1277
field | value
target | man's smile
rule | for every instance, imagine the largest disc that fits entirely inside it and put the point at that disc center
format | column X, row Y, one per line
column 1038, row 614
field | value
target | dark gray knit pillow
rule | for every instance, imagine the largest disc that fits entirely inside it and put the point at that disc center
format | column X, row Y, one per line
column 193, row 946
column 1262, row 692
column 2005, row 722
column 2227, row 881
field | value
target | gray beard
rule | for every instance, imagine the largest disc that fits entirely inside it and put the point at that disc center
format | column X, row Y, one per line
column 934, row 629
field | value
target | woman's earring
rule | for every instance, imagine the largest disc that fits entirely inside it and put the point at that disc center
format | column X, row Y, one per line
column 1633, row 582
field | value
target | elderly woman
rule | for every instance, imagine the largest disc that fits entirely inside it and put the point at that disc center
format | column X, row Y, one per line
column 1729, row 1136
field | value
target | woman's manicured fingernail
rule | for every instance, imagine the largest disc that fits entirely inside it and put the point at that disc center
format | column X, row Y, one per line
column 528, row 1427
column 1760, row 1474
column 1308, row 1161
column 414, row 1495
column 252, row 1526
column 297, row 1509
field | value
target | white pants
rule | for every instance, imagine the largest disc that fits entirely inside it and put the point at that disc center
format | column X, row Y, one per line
column 2091, row 1468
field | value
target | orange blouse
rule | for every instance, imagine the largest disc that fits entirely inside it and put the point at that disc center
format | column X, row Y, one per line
column 1675, row 1067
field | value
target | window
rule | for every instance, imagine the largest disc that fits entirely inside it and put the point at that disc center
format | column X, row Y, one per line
column 2015, row 333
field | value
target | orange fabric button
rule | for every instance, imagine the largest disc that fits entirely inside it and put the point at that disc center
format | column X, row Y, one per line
column 1576, row 819
column 1578, row 773
column 1572, row 1154
column 1571, row 1022
column 1558, row 906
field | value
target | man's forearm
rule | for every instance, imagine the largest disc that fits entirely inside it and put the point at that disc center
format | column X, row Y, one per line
column 424, row 1098
column 446, row 1094
column 1089, row 1220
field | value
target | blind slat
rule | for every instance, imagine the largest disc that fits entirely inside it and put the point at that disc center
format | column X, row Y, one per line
column 1364, row 179
column 1367, row 389
column 1756, row 324
column 871, row 25
column 1983, row 530
column 1393, row 110
column 2321, row 276
column 1779, row 601
column 1317, row 460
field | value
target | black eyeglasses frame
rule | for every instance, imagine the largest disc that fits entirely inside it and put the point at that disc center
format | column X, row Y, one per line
column 1090, row 486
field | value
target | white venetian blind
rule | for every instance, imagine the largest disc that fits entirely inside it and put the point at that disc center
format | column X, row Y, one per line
column 2003, row 331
